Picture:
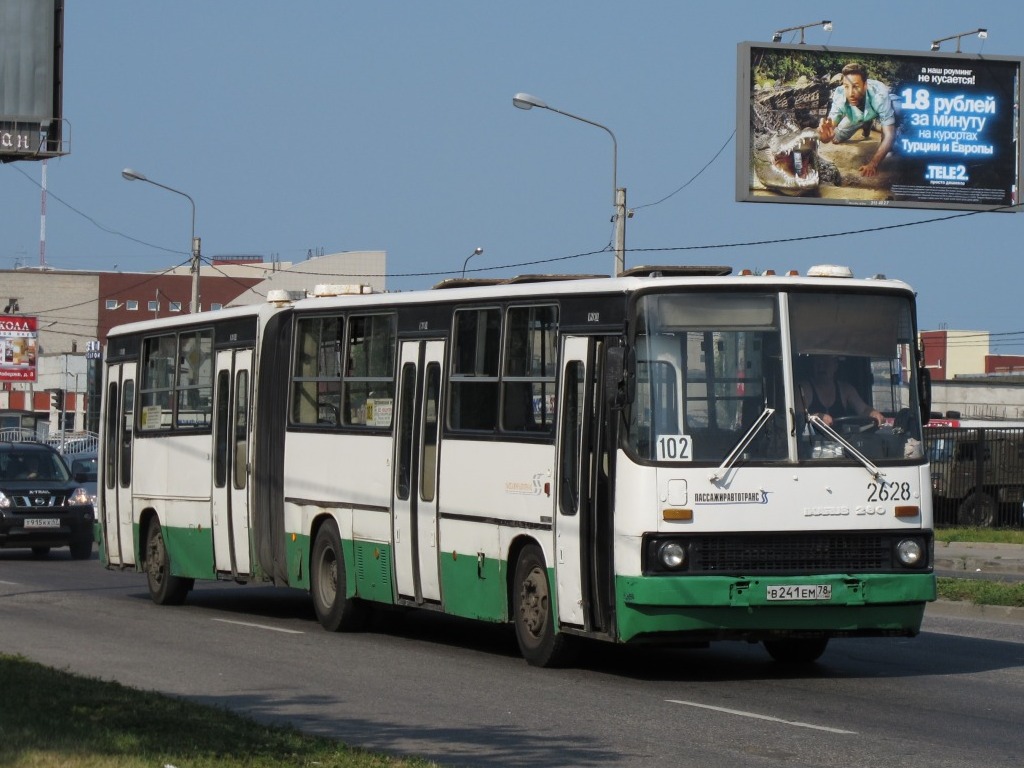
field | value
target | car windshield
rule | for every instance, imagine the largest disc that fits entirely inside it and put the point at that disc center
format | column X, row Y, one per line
column 31, row 464
column 84, row 469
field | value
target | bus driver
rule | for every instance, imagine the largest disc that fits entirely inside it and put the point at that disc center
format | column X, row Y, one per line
column 830, row 398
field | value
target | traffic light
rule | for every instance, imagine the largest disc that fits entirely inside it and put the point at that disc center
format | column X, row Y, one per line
column 57, row 399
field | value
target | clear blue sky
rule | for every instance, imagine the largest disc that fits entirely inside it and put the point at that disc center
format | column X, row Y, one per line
column 389, row 126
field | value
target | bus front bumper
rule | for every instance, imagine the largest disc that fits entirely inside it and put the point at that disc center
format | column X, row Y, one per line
column 767, row 607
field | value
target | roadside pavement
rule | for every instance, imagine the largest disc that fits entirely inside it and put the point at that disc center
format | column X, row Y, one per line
column 978, row 560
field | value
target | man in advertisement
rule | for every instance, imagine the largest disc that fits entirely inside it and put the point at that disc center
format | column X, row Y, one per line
column 856, row 105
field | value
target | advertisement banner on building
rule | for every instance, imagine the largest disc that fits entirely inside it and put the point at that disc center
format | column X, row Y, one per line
column 19, row 342
column 878, row 128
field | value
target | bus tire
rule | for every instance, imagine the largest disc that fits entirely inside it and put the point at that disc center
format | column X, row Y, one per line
column 977, row 511
column 164, row 587
column 81, row 548
column 796, row 650
column 328, row 587
column 533, row 612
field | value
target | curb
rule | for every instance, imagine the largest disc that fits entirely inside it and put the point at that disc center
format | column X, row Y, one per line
column 970, row 565
column 964, row 610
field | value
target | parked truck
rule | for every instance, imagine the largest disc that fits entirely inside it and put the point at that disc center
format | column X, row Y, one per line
column 977, row 470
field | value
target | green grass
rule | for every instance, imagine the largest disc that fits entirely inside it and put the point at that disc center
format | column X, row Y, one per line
column 981, row 591
column 51, row 718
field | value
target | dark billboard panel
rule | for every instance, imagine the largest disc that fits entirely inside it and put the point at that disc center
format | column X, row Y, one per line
column 31, row 79
column 878, row 128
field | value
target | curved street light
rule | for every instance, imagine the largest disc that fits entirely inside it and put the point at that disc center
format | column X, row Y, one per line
column 528, row 101
column 131, row 175
column 476, row 252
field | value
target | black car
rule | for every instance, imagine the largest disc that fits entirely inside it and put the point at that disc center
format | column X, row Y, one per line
column 41, row 504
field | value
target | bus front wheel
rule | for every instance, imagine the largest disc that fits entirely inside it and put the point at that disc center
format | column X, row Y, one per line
column 334, row 609
column 164, row 587
column 533, row 611
column 796, row 650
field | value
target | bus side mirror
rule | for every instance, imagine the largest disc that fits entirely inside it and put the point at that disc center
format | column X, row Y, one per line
column 924, row 393
column 620, row 376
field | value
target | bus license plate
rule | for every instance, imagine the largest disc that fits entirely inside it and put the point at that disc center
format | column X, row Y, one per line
column 41, row 522
column 799, row 591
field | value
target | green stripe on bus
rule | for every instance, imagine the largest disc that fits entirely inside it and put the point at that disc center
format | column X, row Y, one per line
column 191, row 552
column 368, row 564
column 474, row 587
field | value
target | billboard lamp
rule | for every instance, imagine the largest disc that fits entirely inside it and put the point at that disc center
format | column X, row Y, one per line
column 981, row 33
column 825, row 25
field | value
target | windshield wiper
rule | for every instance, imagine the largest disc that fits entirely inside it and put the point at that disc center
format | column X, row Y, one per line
column 742, row 445
column 876, row 473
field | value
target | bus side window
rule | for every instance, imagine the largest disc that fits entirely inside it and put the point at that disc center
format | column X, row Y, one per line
column 473, row 403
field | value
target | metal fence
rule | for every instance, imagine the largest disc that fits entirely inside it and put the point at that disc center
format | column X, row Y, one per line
column 977, row 475
column 68, row 443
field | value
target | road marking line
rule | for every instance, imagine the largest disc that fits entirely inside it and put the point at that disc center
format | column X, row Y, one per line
column 11, row 583
column 261, row 626
column 741, row 713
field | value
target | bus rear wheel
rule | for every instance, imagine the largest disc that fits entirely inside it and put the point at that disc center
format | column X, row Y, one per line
column 796, row 650
column 533, row 612
column 327, row 585
column 164, row 587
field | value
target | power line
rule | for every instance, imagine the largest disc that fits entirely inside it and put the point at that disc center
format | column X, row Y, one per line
column 93, row 221
column 557, row 259
column 692, row 178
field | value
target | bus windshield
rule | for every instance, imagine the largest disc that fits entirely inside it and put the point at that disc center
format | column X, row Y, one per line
column 715, row 371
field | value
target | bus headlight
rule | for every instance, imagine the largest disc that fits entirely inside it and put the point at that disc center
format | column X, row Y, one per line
column 672, row 555
column 910, row 552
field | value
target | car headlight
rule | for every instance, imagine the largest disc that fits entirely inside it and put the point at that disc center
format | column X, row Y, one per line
column 672, row 555
column 910, row 552
column 4, row 501
column 79, row 496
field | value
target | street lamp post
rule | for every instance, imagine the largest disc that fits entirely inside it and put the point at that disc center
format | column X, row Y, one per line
column 476, row 252
column 526, row 101
column 130, row 175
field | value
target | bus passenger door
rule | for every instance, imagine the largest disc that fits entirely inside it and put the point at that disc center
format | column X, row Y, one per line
column 583, row 524
column 417, row 442
column 573, row 474
column 118, row 427
column 231, row 462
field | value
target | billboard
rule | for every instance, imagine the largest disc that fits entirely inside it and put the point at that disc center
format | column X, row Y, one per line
column 19, row 344
column 31, row 79
column 877, row 128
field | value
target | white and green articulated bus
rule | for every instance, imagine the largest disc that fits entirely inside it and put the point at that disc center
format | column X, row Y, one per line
column 640, row 459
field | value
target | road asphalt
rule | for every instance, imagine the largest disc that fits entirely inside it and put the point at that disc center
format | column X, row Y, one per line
column 978, row 560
